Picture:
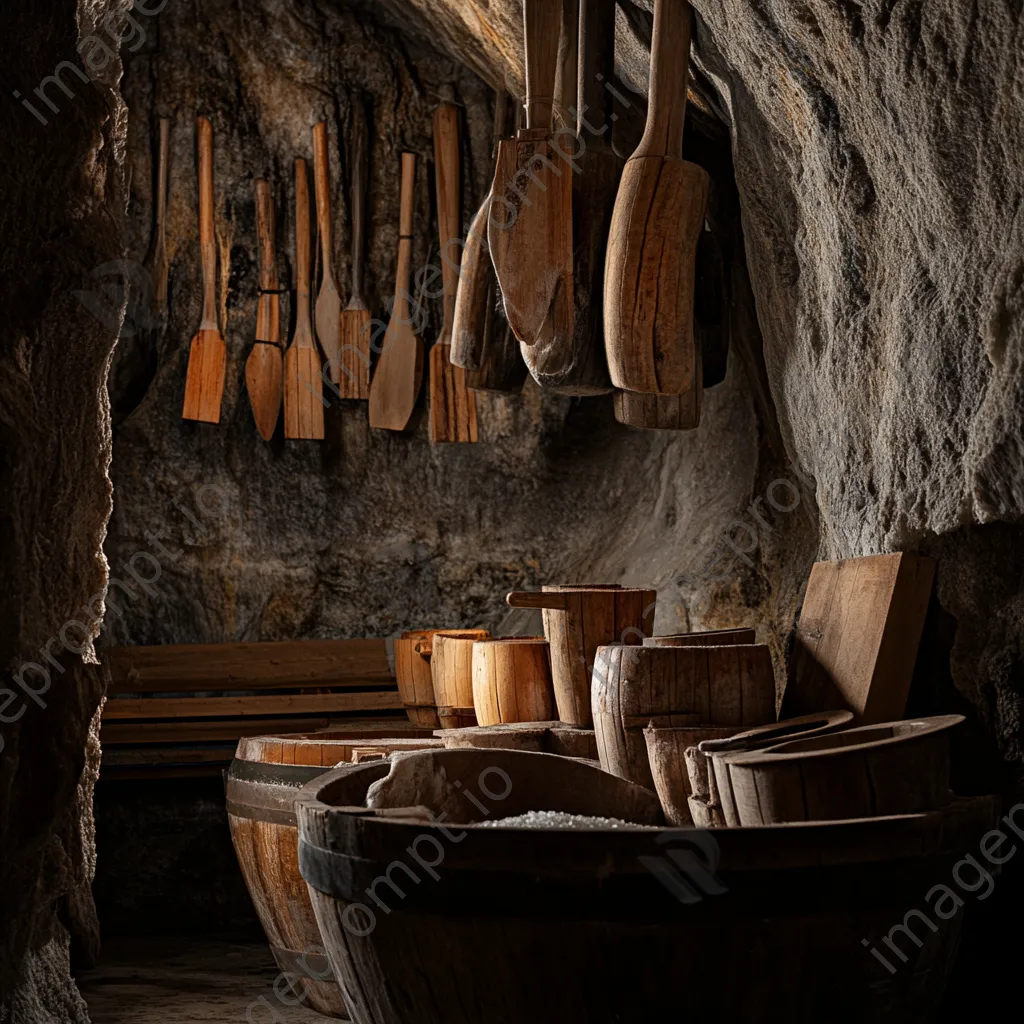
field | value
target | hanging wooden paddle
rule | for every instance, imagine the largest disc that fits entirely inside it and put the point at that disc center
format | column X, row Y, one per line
column 328, row 303
column 530, row 229
column 156, row 260
column 452, row 404
column 354, row 379
column 204, row 385
column 303, row 385
column 265, row 366
column 399, row 374
column 658, row 218
column 482, row 341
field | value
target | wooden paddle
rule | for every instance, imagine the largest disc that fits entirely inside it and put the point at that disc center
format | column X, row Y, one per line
column 204, row 384
column 303, row 385
column 659, row 214
column 399, row 374
column 482, row 341
column 328, row 303
column 265, row 365
column 156, row 261
column 354, row 379
column 452, row 404
column 530, row 229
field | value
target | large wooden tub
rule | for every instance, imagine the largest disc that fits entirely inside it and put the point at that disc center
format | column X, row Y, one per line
column 264, row 778
column 446, row 924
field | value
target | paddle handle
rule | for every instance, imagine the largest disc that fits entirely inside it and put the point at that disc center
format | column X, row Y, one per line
column 542, row 21
column 160, row 235
column 500, row 119
column 670, row 64
column 404, row 271
column 446, row 160
column 268, row 320
column 207, row 239
column 360, row 173
column 597, row 68
column 302, row 261
column 567, row 72
column 536, row 599
column 322, row 176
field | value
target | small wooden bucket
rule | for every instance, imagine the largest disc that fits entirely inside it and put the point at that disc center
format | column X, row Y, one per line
column 415, row 681
column 512, row 680
column 451, row 668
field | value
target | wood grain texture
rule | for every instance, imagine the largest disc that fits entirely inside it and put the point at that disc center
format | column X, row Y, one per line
column 238, row 707
column 264, row 368
column 706, row 638
column 662, row 412
column 185, row 731
column 451, row 667
column 399, row 375
column 542, row 737
column 858, row 635
column 328, row 302
column 207, row 361
column 512, row 680
column 156, row 262
column 303, row 383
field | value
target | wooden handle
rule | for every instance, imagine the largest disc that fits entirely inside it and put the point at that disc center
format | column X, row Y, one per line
column 446, row 160
column 268, row 308
column 360, row 172
column 597, row 67
column 567, row 73
column 301, row 245
column 424, row 647
column 406, row 205
column 207, row 238
column 322, row 176
column 536, row 599
column 501, row 106
column 161, row 179
column 670, row 64
column 541, row 23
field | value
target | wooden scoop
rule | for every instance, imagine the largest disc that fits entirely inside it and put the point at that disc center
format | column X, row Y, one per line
column 156, row 261
column 659, row 214
column 530, row 229
column 328, row 303
column 354, row 379
column 399, row 374
column 452, row 404
column 204, row 384
column 303, row 385
column 265, row 365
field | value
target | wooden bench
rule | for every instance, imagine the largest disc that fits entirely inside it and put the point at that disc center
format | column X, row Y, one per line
column 181, row 709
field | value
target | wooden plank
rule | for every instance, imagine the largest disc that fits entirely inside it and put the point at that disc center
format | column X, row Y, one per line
column 223, row 707
column 169, row 771
column 858, row 635
column 247, row 666
column 116, row 757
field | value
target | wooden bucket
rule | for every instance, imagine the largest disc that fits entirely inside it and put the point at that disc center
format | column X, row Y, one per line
column 577, row 621
column 264, row 778
column 415, row 681
column 709, row 638
column 451, row 668
column 512, row 680
column 674, row 686
column 776, row 919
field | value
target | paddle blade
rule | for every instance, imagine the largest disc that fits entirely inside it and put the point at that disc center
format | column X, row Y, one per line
column 397, row 379
column 204, row 384
column 264, row 370
column 303, row 395
column 452, row 404
column 328, row 326
column 354, row 378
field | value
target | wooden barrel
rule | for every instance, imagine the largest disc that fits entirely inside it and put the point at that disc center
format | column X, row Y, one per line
column 512, row 680
column 451, row 668
column 737, row 925
column 674, row 686
column 708, row 638
column 264, row 778
column 577, row 621
column 415, row 681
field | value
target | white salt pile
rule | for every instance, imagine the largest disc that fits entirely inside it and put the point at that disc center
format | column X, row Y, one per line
column 560, row 819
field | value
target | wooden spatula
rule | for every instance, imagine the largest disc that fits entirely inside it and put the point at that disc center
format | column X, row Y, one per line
column 303, row 385
column 399, row 374
column 328, row 303
column 265, row 365
column 530, row 230
column 156, row 260
column 659, row 214
column 204, row 385
column 354, row 380
column 452, row 404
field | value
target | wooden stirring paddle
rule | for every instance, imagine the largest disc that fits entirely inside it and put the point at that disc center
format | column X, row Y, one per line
column 204, row 384
column 328, row 303
column 303, row 385
column 265, row 366
column 156, row 260
column 659, row 214
column 399, row 374
column 452, row 404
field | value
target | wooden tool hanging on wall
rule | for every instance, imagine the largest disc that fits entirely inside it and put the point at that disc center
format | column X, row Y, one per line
column 659, row 214
column 482, row 341
column 303, row 385
column 328, row 303
column 399, row 374
column 530, row 229
column 452, row 404
column 354, row 379
column 207, row 360
column 265, row 366
column 156, row 261
column 658, row 412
